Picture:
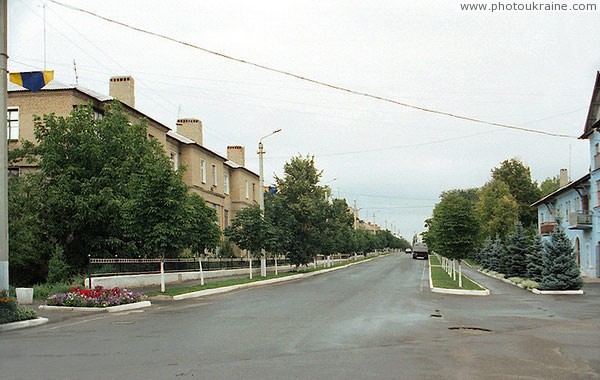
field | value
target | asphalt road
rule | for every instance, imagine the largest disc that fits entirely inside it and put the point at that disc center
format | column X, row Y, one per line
column 377, row 320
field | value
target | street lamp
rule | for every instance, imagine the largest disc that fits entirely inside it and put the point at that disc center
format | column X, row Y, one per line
column 261, row 153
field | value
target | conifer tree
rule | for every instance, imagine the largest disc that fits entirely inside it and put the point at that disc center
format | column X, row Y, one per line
column 560, row 268
column 535, row 260
column 495, row 255
column 483, row 254
column 517, row 246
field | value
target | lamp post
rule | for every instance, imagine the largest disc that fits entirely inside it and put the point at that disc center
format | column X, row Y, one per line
column 261, row 153
column 3, row 148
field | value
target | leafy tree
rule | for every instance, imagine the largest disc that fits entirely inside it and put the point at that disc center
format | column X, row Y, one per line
column 517, row 246
column 518, row 178
column 549, row 185
column 302, row 215
column 535, row 260
column 154, row 210
column 200, row 223
column 107, row 189
column 339, row 221
column 560, row 270
column 249, row 230
column 454, row 228
column 497, row 209
column 29, row 247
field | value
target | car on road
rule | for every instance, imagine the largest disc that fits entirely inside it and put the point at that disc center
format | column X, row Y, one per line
column 408, row 251
column 420, row 251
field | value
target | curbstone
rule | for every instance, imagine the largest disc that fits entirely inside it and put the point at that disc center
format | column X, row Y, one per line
column 23, row 324
column 109, row 309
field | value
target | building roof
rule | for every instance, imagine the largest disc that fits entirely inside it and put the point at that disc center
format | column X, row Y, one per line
column 593, row 118
column 571, row 185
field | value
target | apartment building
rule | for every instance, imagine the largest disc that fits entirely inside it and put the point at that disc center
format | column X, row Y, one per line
column 576, row 204
column 224, row 182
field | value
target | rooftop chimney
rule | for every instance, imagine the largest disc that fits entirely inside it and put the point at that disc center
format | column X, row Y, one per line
column 564, row 178
column 190, row 128
column 237, row 154
column 123, row 89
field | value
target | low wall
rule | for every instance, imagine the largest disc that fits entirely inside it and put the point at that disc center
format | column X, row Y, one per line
column 142, row 280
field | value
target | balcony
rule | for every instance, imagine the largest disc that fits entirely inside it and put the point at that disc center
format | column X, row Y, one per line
column 580, row 220
column 547, row 228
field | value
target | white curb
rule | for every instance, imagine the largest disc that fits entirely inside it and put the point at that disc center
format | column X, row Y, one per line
column 459, row 292
column 109, row 309
column 557, row 292
column 23, row 324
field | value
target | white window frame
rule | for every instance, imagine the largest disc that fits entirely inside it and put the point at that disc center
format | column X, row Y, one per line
column 203, row 170
column 174, row 157
column 214, row 175
column 226, row 183
column 247, row 189
column 12, row 123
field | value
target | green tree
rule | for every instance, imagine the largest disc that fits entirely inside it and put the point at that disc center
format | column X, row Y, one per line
column 517, row 246
column 535, row 260
column 249, row 230
column 454, row 228
column 549, row 185
column 518, row 178
column 29, row 247
column 497, row 209
column 560, row 270
column 107, row 189
column 301, row 214
column 200, row 223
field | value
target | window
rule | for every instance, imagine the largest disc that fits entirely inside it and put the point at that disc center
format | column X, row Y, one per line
column 225, row 218
column 203, row 170
column 226, row 183
column 12, row 131
column 247, row 189
column 597, row 193
column 150, row 137
column 253, row 191
column 214, row 175
column 174, row 160
column 14, row 172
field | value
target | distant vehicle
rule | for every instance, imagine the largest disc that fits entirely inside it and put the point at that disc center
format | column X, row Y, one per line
column 408, row 251
column 420, row 251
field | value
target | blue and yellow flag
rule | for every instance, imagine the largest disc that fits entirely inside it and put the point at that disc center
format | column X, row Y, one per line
column 32, row 80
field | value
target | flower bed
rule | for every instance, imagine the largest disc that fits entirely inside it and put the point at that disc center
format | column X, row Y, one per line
column 97, row 297
column 10, row 311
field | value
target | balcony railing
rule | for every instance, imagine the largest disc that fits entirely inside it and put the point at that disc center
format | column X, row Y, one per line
column 580, row 220
column 547, row 228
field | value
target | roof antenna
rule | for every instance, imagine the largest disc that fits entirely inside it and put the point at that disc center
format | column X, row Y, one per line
column 75, row 70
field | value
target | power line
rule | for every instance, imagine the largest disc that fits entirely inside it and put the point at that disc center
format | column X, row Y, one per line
column 310, row 80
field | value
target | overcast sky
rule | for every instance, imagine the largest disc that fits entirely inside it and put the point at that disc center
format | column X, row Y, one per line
column 530, row 69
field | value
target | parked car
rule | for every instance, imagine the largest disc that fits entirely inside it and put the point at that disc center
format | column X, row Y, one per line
column 420, row 251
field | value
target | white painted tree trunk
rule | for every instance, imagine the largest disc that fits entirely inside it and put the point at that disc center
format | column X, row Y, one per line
column 201, row 271
column 459, row 274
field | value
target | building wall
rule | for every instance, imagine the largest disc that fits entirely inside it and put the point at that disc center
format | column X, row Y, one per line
column 181, row 153
column 593, row 267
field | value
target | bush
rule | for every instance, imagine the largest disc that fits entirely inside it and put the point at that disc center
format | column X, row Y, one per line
column 530, row 284
column 58, row 269
column 10, row 311
column 516, row 280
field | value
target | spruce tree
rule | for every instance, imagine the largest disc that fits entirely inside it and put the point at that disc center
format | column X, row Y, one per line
column 518, row 245
column 495, row 255
column 483, row 254
column 560, row 267
column 535, row 260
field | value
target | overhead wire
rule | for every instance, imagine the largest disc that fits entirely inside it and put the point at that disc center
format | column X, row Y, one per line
column 311, row 80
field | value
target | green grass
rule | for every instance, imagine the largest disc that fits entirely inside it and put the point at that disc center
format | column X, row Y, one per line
column 441, row 279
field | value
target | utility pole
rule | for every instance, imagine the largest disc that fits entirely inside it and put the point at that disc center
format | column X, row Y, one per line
column 261, row 153
column 3, row 146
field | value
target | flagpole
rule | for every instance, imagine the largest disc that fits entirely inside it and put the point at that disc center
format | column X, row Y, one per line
column 3, row 146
